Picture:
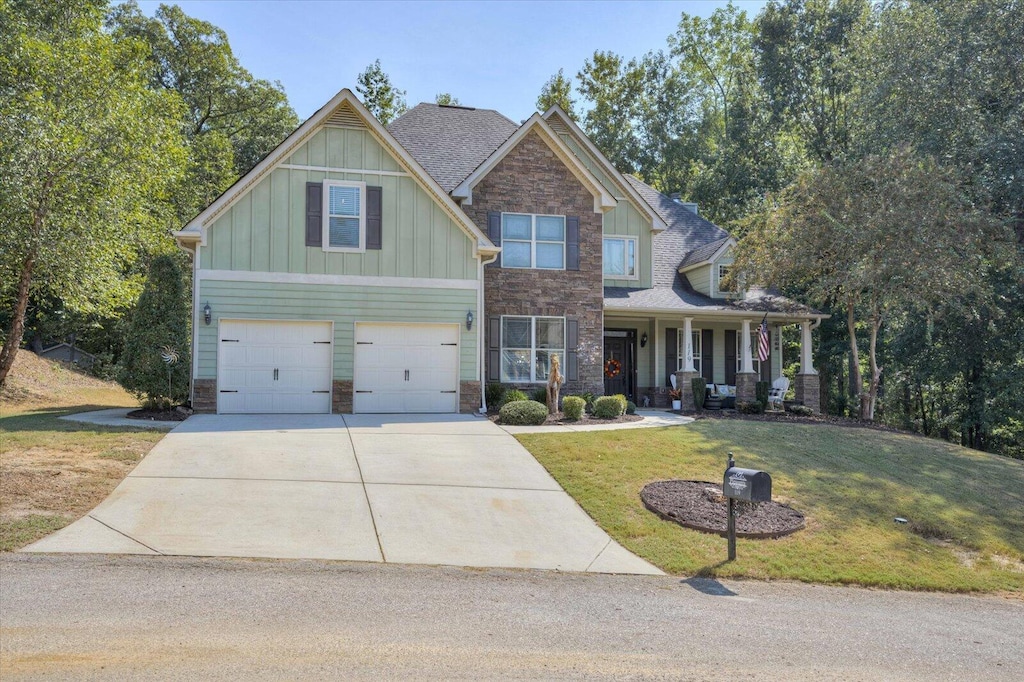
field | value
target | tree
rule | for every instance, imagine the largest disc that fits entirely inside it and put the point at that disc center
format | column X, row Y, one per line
column 446, row 99
column 873, row 237
column 86, row 148
column 380, row 96
column 612, row 86
column 557, row 91
column 155, row 363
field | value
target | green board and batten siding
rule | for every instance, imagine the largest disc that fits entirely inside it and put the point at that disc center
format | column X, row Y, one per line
column 264, row 231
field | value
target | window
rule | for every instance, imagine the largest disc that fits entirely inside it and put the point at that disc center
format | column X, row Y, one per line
column 695, row 338
column 723, row 272
column 620, row 257
column 527, row 345
column 532, row 241
column 344, row 216
column 756, row 363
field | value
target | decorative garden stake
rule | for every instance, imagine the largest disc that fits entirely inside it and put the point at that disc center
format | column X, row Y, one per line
column 555, row 381
column 170, row 357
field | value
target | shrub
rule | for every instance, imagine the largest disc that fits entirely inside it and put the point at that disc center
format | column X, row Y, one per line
column 540, row 395
column 801, row 410
column 514, row 396
column 608, row 407
column 622, row 401
column 573, row 406
column 761, row 393
column 630, row 407
column 159, row 323
column 749, row 407
column 523, row 413
column 589, row 398
column 700, row 391
column 495, row 394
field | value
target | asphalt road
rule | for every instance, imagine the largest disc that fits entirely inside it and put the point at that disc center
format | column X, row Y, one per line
column 117, row 617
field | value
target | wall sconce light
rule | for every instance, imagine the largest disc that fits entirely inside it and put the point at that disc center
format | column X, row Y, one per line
column 207, row 313
column 469, row 321
column 643, row 340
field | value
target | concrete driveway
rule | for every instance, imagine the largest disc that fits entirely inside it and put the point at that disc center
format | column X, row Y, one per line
column 451, row 489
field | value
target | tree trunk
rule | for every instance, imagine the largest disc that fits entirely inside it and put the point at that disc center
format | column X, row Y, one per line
column 855, row 377
column 876, row 371
column 12, row 340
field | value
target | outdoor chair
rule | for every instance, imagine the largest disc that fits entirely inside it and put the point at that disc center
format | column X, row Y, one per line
column 778, row 392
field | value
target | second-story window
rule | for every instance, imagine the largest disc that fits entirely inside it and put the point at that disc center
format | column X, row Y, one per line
column 620, row 257
column 532, row 241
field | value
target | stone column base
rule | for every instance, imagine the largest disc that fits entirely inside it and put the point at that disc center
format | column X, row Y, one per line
column 746, row 387
column 341, row 397
column 204, row 396
column 684, row 382
column 808, row 391
column 469, row 396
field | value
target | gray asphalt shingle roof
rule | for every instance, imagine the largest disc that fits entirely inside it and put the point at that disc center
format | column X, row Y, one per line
column 450, row 142
column 703, row 253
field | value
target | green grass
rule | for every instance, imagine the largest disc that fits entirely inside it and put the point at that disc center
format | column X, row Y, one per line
column 966, row 507
column 16, row 533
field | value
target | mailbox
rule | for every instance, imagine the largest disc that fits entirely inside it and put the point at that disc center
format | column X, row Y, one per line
column 747, row 484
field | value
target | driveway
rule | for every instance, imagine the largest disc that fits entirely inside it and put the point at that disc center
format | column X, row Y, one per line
column 452, row 489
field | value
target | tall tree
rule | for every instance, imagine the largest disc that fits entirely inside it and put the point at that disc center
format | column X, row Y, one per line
column 446, row 99
column 613, row 87
column 380, row 96
column 557, row 91
column 872, row 237
column 86, row 149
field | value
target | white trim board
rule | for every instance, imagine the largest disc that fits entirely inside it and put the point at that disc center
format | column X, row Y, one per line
column 361, row 171
column 341, row 280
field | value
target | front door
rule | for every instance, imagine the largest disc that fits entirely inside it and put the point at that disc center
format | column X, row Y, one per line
column 618, row 366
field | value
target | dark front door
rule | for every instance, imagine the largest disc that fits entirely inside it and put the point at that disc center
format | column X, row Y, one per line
column 618, row 366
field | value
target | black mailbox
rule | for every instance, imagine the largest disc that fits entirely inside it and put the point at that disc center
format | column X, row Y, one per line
column 747, row 484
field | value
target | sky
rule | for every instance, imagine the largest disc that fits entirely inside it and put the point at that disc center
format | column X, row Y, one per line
column 494, row 55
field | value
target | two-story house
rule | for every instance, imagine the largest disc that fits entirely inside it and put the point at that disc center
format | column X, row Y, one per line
column 359, row 268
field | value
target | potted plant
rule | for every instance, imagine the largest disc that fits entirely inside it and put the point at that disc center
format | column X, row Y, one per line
column 677, row 399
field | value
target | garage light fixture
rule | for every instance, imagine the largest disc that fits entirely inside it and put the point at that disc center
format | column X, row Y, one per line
column 207, row 313
column 469, row 321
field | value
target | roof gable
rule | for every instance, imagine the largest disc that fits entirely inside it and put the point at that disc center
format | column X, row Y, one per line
column 703, row 255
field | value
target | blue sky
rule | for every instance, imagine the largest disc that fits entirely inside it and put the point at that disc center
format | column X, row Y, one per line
column 493, row 54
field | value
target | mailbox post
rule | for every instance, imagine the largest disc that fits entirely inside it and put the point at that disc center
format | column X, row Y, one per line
column 742, row 484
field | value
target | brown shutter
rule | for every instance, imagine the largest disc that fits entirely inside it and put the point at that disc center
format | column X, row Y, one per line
column 707, row 355
column 730, row 357
column 671, row 354
column 314, row 214
column 494, row 234
column 572, row 341
column 373, row 218
column 494, row 348
column 572, row 243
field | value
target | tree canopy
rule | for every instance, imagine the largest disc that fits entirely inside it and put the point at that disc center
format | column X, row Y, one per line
column 381, row 97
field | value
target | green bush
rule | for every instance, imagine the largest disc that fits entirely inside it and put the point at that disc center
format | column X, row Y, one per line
column 159, row 323
column 749, row 407
column 761, row 392
column 495, row 394
column 514, row 396
column 523, row 413
column 608, row 407
column 801, row 410
column 630, row 407
column 540, row 395
column 589, row 398
column 622, row 402
column 573, row 406
column 700, row 391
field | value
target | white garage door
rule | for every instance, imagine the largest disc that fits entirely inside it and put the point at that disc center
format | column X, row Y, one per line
column 274, row 367
column 406, row 368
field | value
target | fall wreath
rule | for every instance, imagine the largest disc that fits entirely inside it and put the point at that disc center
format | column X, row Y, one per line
column 612, row 368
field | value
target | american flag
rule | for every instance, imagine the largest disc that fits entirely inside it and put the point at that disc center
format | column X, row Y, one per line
column 762, row 340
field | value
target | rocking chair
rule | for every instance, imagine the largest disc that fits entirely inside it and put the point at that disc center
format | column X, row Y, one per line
column 778, row 392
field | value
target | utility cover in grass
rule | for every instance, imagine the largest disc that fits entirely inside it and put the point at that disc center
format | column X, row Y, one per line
column 701, row 506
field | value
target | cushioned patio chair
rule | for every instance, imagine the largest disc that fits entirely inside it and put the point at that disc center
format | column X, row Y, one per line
column 778, row 392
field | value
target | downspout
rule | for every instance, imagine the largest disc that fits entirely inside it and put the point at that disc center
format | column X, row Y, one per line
column 194, row 253
column 481, row 360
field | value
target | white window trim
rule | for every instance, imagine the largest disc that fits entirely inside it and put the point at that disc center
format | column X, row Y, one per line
column 636, row 256
column 326, row 217
column 698, row 350
column 755, row 362
column 718, row 282
column 533, row 346
column 534, row 241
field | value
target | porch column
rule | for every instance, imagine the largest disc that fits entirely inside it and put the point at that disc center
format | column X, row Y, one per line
column 806, row 356
column 746, row 359
column 688, row 340
column 746, row 380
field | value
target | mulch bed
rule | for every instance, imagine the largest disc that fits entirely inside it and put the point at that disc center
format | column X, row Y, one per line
column 586, row 420
column 174, row 415
column 701, row 506
column 790, row 418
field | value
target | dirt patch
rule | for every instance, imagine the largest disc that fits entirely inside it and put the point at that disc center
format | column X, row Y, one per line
column 175, row 415
column 701, row 506
column 560, row 420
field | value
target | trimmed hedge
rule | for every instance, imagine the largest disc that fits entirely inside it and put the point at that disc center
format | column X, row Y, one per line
column 699, row 387
column 802, row 410
column 523, row 413
column 514, row 396
column 749, row 407
column 609, row 407
column 573, row 406
column 761, row 392
column 630, row 407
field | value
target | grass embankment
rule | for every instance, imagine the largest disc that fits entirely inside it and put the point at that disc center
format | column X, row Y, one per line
column 53, row 471
column 966, row 508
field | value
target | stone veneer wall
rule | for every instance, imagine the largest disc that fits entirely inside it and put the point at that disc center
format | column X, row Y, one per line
column 808, row 390
column 469, row 396
column 531, row 179
column 341, row 396
column 204, row 396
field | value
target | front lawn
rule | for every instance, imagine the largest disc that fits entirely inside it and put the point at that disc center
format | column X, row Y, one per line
column 966, row 508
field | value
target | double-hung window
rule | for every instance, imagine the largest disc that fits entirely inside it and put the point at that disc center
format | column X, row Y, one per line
column 723, row 272
column 620, row 257
column 532, row 241
column 695, row 340
column 344, row 216
column 527, row 346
